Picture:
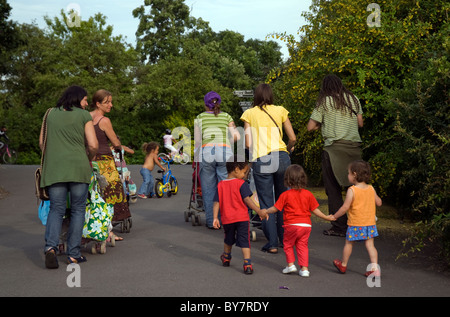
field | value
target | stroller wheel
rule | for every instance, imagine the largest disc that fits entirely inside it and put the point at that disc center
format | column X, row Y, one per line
column 103, row 247
column 195, row 220
column 93, row 248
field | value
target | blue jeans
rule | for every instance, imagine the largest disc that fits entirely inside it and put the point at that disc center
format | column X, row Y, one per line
column 58, row 204
column 268, row 173
column 212, row 170
column 148, row 184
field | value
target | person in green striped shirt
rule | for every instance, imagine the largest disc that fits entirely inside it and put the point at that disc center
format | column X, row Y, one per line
column 338, row 113
column 214, row 132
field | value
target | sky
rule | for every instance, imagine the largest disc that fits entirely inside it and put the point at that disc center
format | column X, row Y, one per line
column 252, row 18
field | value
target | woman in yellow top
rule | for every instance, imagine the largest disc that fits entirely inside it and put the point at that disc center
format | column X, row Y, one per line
column 264, row 124
column 360, row 205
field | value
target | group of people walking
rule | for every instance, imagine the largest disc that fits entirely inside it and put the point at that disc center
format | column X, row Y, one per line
column 75, row 137
column 280, row 185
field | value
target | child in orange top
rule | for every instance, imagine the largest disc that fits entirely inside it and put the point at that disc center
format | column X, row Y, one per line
column 297, row 203
column 360, row 207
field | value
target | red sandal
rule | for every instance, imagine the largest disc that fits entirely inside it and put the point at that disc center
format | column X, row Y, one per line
column 338, row 264
column 375, row 273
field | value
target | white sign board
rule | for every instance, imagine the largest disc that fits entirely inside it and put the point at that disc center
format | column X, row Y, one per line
column 243, row 93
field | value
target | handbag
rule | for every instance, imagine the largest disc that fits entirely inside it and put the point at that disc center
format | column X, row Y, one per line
column 42, row 192
column 44, row 208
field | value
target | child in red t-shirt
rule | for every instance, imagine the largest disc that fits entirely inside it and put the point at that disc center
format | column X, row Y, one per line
column 233, row 198
column 297, row 203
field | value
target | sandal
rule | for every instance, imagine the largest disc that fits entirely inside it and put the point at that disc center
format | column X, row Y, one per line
column 375, row 273
column 225, row 260
column 271, row 250
column 248, row 269
column 331, row 232
column 81, row 259
column 338, row 265
column 51, row 262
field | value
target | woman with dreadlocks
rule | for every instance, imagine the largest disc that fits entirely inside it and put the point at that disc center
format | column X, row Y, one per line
column 338, row 114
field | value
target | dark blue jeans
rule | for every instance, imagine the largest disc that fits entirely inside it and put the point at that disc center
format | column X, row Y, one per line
column 58, row 204
column 268, row 172
column 212, row 170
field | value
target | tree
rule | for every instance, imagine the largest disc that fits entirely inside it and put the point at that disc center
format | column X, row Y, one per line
column 336, row 39
column 50, row 61
column 400, row 72
column 168, row 30
column 9, row 38
column 159, row 84
column 160, row 31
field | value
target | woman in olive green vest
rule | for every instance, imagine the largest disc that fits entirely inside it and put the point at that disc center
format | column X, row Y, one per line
column 66, row 169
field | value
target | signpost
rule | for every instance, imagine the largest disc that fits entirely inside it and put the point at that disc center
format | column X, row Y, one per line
column 245, row 104
column 244, row 94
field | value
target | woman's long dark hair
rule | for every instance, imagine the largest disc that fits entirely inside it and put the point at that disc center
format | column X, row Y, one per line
column 72, row 97
column 342, row 98
column 263, row 95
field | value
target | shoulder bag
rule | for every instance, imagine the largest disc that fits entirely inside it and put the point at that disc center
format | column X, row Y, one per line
column 42, row 192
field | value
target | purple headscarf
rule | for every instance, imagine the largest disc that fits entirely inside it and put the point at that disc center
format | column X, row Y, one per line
column 209, row 97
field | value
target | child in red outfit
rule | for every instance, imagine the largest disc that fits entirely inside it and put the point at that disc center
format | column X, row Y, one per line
column 233, row 198
column 297, row 203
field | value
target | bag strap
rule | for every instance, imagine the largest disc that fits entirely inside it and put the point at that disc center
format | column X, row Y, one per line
column 279, row 130
column 44, row 133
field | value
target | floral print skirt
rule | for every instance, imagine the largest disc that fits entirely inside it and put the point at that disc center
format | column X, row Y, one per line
column 355, row 233
column 114, row 192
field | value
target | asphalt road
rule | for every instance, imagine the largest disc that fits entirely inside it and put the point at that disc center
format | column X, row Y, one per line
column 164, row 256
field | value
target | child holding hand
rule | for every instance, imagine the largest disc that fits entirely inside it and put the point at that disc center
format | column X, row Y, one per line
column 233, row 198
column 297, row 203
column 360, row 207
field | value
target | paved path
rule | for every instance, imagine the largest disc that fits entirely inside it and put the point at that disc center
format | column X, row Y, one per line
column 165, row 256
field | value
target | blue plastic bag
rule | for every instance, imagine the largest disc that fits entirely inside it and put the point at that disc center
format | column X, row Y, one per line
column 44, row 208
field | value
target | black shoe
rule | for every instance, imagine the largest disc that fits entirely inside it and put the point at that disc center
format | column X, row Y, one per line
column 51, row 262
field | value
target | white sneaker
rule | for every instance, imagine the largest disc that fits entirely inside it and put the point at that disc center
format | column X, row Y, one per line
column 304, row 273
column 289, row 269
